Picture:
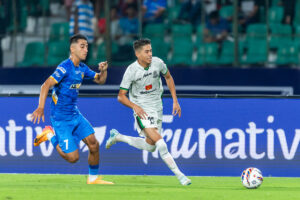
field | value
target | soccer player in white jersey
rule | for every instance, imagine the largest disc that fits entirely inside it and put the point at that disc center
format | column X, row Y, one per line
column 142, row 80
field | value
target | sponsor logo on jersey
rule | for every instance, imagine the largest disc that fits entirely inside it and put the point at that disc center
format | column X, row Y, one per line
column 61, row 69
column 148, row 87
column 57, row 74
column 75, row 86
column 148, row 74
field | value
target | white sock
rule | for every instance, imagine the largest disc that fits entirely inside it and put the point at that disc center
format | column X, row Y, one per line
column 167, row 157
column 136, row 142
column 92, row 177
column 49, row 136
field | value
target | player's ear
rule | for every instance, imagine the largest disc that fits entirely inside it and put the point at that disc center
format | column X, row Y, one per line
column 137, row 52
column 71, row 48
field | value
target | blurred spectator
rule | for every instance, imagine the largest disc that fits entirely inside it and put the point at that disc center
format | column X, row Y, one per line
column 216, row 28
column 289, row 11
column 210, row 6
column 115, row 30
column 68, row 6
column 123, row 4
column 154, row 10
column 37, row 8
column 190, row 11
column 129, row 26
column 248, row 12
column 81, row 20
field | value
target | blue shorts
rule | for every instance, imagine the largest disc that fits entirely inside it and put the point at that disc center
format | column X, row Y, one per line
column 70, row 132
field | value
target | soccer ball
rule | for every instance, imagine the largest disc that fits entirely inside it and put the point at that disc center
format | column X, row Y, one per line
column 252, row 178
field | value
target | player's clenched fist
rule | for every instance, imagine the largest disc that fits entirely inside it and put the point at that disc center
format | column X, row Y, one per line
column 103, row 66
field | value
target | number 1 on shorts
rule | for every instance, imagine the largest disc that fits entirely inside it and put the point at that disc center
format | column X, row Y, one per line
column 67, row 143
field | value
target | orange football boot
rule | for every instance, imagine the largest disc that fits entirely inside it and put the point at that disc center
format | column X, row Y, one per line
column 43, row 136
column 99, row 181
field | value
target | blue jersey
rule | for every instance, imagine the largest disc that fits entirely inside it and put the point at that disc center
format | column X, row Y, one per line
column 64, row 95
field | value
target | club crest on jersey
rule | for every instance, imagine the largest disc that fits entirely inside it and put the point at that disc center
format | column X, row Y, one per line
column 75, row 86
column 148, row 87
column 155, row 74
column 82, row 75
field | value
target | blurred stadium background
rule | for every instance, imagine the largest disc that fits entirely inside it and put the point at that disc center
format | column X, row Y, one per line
column 204, row 42
column 236, row 67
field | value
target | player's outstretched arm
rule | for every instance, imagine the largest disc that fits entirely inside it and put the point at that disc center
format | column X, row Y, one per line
column 101, row 77
column 171, row 86
column 122, row 98
column 39, row 112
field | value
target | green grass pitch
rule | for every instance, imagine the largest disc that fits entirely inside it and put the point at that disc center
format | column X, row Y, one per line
column 44, row 187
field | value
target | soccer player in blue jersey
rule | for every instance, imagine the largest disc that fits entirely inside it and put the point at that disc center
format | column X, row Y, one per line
column 69, row 124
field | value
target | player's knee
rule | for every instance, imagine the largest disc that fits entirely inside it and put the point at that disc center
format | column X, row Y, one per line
column 151, row 148
column 73, row 159
column 161, row 147
column 94, row 147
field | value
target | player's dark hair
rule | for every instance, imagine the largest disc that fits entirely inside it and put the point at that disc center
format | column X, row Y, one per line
column 140, row 43
column 76, row 37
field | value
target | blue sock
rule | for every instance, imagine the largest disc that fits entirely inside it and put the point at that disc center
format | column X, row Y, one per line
column 54, row 141
column 93, row 169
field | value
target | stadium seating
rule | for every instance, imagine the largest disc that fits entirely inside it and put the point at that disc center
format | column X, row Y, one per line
column 275, row 15
column 227, row 52
column 101, row 53
column 207, row 54
column 256, row 32
column 57, row 52
column 182, row 31
column 154, row 31
column 297, row 14
column 199, row 35
column 59, row 32
column 182, row 52
column 288, row 54
column 34, row 55
column 256, row 53
column 280, row 34
column 160, row 48
column 297, row 36
column 226, row 12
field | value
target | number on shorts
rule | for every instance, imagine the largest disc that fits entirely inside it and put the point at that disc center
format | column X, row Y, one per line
column 151, row 119
column 67, row 144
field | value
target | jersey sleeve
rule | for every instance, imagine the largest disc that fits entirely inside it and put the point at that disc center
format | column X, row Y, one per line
column 126, row 81
column 59, row 74
column 163, row 67
column 89, row 74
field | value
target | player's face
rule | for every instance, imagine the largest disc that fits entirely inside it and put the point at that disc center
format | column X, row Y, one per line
column 145, row 54
column 80, row 49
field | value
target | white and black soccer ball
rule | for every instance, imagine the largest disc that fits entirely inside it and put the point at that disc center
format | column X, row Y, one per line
column 252, row 178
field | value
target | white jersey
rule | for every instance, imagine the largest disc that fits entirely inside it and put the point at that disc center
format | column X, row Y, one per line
column 144, row 84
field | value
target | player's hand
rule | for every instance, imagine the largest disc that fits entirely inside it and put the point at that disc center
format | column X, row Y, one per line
column 176, row 109
column 140, row 112
column 37, row 115
column 103, row 66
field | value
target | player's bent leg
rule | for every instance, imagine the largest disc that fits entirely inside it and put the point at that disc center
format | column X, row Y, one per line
column 93, row 160
column 136, row 142
column 162, row 148
column 93, row 146
column 71, row 157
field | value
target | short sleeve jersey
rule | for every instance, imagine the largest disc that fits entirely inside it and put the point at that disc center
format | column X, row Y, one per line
column 144, row 84
column 64, row 95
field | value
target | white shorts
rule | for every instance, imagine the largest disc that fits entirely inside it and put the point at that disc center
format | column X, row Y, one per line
column 154, row 120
